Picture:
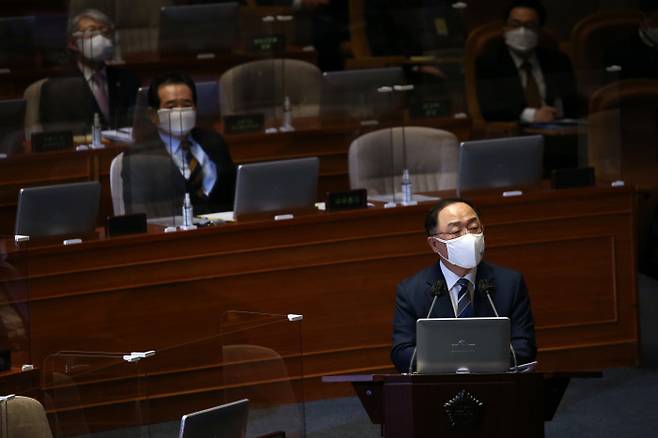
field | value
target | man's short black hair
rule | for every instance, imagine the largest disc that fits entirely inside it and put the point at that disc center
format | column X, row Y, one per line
column 433, row 215
column 536, row 5
column 173, row 78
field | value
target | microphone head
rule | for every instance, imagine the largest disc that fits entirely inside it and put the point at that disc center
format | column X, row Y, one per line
column 486, row 286
column 439, row 287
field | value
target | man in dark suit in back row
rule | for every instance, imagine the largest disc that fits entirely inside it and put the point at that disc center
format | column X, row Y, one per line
column 70, row 102
column 456, row 235
column 174, row 157
column 519, row 81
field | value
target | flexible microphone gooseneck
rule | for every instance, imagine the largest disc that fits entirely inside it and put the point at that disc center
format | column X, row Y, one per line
column 438, row 288
column 488, row 287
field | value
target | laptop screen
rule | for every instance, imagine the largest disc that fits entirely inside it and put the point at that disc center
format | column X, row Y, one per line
column 62, row 209
column 476, row 345
column 224, row 421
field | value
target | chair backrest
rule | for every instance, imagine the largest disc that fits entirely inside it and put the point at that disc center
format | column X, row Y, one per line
column 260, row 86
column 591, row 37
column 116, row 185
column 32, row 96
column 376, row 159
column 25, row 418
column 622, row 131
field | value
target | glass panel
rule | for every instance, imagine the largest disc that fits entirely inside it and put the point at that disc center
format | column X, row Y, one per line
column 255, row 356
column 15, row 317
column 93, row 393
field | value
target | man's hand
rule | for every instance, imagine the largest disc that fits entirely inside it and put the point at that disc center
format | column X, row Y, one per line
column 545, row 114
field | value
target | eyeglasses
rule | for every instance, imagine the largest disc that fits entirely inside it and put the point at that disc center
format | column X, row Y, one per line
column 471, row 229
column 93, row 31
column 530, row 25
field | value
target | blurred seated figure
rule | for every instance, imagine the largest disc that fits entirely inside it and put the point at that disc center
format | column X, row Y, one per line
column 70, row 102
column 519, row 81
column 637, row 54
column 175, row 157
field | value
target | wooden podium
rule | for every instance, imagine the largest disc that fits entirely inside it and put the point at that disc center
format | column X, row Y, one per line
column 466, row 405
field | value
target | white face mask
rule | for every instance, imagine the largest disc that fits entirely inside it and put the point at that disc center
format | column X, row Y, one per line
column 465, row 251
column 98, row 48
column 521, row 39
column 177, row 121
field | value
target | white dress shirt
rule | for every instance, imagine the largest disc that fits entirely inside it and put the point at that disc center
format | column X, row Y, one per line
column 528, row 114
column 208, row 167
column 451, row 283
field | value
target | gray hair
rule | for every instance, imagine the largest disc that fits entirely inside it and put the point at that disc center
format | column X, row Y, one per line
column 95, row 14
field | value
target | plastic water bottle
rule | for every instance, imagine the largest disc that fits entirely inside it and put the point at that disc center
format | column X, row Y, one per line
column 406, row 187
column 287, row 116
column 96, row 142
column 188, row 214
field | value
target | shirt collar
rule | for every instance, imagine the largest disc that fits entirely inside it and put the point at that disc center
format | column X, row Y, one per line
column 519, row 60
column 88, row 72
column 452, row 278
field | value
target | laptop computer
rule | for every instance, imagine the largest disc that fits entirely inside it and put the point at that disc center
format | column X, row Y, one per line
column 199, row 29
column 62, row 209
column 502, row 162
column 12, row 132
column 276, row 186
column 224, row 421
column 450, row 345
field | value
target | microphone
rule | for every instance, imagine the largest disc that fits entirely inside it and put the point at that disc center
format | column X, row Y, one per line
column 438, row 289
column 488, row 287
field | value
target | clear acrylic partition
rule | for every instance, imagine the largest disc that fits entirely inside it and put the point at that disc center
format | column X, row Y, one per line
column 15, row 316
column 255, row 356
column 92, row 394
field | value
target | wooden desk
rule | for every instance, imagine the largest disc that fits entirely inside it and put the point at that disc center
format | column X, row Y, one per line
column 330, row 142
column 575, row 247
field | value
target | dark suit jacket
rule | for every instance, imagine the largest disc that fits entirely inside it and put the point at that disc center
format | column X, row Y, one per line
column 153, row 184
column 499, row 90
column 68, row 103
column 414, row 298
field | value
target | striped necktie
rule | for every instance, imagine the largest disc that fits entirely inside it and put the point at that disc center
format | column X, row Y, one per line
column 464, row 307
column 194, row 182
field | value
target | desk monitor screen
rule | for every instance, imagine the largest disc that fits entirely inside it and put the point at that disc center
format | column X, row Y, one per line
column 276, row 186
column 224, row 421
column 198, row 29
column 63, row 209
column 353, row 93
column 502, row 162
column 12, row 133
column 476, row 345
column 17, row 41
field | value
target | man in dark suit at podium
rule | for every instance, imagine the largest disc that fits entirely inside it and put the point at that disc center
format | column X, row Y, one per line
column 455, row 234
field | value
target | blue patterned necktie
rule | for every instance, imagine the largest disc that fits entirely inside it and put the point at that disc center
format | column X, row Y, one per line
column 464, row 307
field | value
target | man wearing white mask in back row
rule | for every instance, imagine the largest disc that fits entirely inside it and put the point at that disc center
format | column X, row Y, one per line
column 175, row 157
column 70, row 102
column 519, row 80
column 453, row 287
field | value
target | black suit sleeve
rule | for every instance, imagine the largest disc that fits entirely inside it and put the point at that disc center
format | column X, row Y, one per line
column 221, row 197
column 404, row 329
column 498, row 87
column 522, row 324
